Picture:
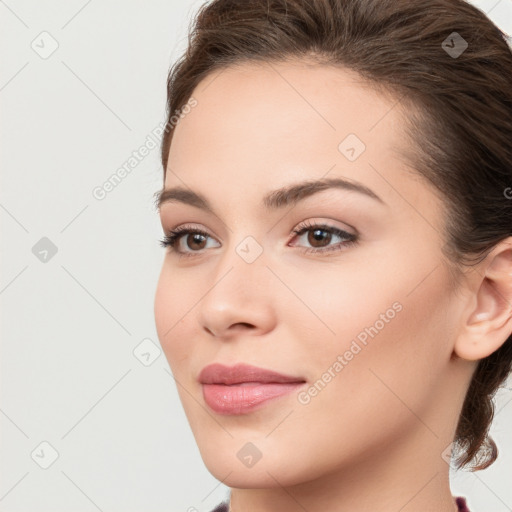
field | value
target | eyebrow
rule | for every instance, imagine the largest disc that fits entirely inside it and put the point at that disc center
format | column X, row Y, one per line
column 289, row 195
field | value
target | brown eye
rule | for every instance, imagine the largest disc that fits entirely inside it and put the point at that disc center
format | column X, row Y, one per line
column 319, row 237
column 195, row 241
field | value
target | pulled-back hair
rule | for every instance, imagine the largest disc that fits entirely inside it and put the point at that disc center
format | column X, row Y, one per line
column 458, row 117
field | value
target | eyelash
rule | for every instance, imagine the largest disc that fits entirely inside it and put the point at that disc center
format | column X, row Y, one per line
column 173, row 236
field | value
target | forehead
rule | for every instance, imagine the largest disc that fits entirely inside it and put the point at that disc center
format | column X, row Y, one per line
column 284, row 109
column 259, row 126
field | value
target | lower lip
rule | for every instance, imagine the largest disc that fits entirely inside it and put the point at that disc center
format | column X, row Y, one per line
column 246, row 397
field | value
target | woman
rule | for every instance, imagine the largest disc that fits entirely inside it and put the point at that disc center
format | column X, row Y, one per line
column 335, row 302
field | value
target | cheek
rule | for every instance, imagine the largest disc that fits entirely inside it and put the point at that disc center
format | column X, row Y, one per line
column 163, row 306
column 387, row 320
column 390, row 349
column 339, row 302
column 391, row 298
column 170, row 309
column 376, row 394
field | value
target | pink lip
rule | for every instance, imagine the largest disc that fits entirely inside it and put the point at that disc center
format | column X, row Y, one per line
column 242, row 388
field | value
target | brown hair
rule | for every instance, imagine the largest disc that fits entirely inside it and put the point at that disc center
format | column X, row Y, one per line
column 458, row 117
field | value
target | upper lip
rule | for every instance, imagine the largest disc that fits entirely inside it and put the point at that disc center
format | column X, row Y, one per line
column 220, row 374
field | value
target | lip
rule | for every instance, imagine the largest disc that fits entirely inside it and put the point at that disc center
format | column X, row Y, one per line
column 220, row 374
column 243, row 388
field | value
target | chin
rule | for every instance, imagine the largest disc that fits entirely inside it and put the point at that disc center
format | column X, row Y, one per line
column 252, row 478
column 226, row 463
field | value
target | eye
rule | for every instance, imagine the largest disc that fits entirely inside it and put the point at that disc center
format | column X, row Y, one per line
column 195, row 239
column 319, row 236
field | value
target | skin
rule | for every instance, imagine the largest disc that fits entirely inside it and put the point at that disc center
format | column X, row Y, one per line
column 373, row 437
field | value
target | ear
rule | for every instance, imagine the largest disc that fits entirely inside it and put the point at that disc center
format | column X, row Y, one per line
column 488, row 324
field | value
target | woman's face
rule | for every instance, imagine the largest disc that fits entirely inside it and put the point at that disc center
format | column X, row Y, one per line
column 368, row 326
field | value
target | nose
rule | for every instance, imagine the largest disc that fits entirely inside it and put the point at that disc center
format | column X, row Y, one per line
column 238, row 299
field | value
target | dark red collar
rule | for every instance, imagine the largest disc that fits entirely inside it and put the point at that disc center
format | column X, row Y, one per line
column 460, row 501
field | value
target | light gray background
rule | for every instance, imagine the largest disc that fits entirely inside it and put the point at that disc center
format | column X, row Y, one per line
column 72, row 374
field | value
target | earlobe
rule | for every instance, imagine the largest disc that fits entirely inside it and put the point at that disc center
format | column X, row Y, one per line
column 489, row 322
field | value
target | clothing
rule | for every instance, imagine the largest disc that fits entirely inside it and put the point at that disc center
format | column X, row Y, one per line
column 460, row 501
column 223, row 507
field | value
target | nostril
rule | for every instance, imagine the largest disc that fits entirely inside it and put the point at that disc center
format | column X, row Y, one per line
column 244, row 324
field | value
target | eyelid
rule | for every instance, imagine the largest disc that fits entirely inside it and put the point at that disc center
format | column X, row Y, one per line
column 314, row 222
column 174, row 236
column 310, row 223
column 182, row 230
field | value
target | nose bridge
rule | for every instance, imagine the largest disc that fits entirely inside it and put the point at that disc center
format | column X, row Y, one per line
column 241, row 270
column 240, row 290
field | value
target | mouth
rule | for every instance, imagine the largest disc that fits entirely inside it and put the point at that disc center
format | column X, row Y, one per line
column 243, row 373
column 243, row 388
